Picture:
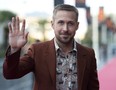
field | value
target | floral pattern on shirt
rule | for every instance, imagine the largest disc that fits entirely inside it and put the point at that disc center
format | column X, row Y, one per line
column 66, row 70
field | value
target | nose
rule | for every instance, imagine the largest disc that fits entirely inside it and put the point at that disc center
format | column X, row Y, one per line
column 65, row 27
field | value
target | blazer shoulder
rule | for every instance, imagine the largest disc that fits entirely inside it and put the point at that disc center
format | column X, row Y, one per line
column 42, row 45
column 84, row 48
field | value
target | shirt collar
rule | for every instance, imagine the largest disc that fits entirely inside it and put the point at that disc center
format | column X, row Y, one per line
column 57, row 47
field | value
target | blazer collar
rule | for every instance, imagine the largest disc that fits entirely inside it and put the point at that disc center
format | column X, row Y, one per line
column 81, row 64
column 51, row 60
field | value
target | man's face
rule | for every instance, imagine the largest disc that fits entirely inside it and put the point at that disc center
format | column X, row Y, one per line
column 65, row 26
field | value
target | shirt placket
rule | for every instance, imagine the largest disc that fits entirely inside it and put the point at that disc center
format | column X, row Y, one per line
column 67, row 69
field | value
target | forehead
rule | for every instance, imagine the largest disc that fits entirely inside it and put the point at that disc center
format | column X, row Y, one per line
column 71, row 15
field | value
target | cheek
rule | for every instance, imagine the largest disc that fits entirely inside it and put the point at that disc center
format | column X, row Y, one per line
column 72, row 30
column 73, row 33
column 54, row 26
column 56, row 29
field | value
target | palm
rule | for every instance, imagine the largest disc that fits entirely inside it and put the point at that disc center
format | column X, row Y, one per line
column 17, row 38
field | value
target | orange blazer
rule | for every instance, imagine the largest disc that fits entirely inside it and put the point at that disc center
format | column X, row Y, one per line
column 41, row 60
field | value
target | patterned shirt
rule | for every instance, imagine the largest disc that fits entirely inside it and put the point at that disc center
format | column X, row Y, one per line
column 66, row 69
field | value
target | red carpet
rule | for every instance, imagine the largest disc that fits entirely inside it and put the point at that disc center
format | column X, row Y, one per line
column 107, row 76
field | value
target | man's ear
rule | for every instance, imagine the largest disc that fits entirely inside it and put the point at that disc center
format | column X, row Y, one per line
column 77, row 25
column 52, row 24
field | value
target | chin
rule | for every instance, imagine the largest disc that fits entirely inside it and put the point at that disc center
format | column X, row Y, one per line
column 66, row 41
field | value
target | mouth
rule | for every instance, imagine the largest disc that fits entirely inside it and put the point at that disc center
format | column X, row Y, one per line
column 65, row 35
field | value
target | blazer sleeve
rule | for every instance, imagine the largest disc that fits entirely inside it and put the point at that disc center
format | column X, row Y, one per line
column 15, row 66
column 93, row 79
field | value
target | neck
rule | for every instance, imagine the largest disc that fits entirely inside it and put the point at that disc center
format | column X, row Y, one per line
column 66, row 47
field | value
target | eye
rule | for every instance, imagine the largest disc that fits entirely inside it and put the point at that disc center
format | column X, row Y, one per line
column 71, row 23
column 61, row 22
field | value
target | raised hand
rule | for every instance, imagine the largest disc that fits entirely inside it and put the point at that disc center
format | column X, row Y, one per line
column 17, row 37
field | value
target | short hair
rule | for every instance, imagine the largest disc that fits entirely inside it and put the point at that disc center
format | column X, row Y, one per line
column 65, row 7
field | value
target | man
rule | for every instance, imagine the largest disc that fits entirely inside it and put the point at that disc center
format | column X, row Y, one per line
column 59, row 64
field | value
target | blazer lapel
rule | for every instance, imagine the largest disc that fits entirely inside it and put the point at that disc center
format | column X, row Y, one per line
column 81, row 64
column 51, row 60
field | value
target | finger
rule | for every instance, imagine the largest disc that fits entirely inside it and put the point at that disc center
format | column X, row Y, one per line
column 10, row 27
column 13, row 24
column 26, row 35
column 17, row 24
column 23, row 26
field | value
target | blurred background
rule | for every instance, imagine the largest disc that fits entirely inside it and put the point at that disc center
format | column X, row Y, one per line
column 97, row 30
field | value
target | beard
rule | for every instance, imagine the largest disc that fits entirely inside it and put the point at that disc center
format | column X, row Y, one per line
column 65, row 39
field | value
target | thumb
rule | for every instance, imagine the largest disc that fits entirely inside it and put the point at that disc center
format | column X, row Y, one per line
column 26, row 35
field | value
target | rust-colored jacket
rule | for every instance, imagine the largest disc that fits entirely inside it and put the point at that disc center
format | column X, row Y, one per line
column 41, row 60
